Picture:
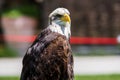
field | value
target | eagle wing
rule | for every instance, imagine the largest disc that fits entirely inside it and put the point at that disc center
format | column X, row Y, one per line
column 48, row 58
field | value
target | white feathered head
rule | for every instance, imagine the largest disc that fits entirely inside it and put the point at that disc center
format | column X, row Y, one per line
column 60, row 17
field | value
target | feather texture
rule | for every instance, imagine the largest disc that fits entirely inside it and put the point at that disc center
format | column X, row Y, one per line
column 48, row 58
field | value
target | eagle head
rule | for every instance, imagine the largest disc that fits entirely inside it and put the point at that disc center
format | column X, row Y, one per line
column 59, row 21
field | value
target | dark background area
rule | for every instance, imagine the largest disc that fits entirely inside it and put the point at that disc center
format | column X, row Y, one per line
column 90, row 18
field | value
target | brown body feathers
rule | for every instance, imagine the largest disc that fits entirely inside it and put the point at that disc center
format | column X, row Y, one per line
column 48, row 58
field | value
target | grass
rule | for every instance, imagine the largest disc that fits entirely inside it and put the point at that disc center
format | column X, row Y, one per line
column 80, row 77
column 98, row 77
column 9, row 78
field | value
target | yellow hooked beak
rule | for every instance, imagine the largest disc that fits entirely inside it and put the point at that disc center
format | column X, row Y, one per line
column 66, row 18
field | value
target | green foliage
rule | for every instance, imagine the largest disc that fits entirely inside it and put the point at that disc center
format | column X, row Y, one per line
column 7, row 52
column 12, row 14
column 24, row 10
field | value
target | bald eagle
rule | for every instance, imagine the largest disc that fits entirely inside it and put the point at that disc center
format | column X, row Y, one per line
column 50, row 56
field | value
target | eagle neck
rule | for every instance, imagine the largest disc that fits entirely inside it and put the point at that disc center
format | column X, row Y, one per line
column 63, row 30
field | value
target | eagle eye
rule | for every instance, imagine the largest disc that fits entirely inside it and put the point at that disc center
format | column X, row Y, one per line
column 58, row 15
